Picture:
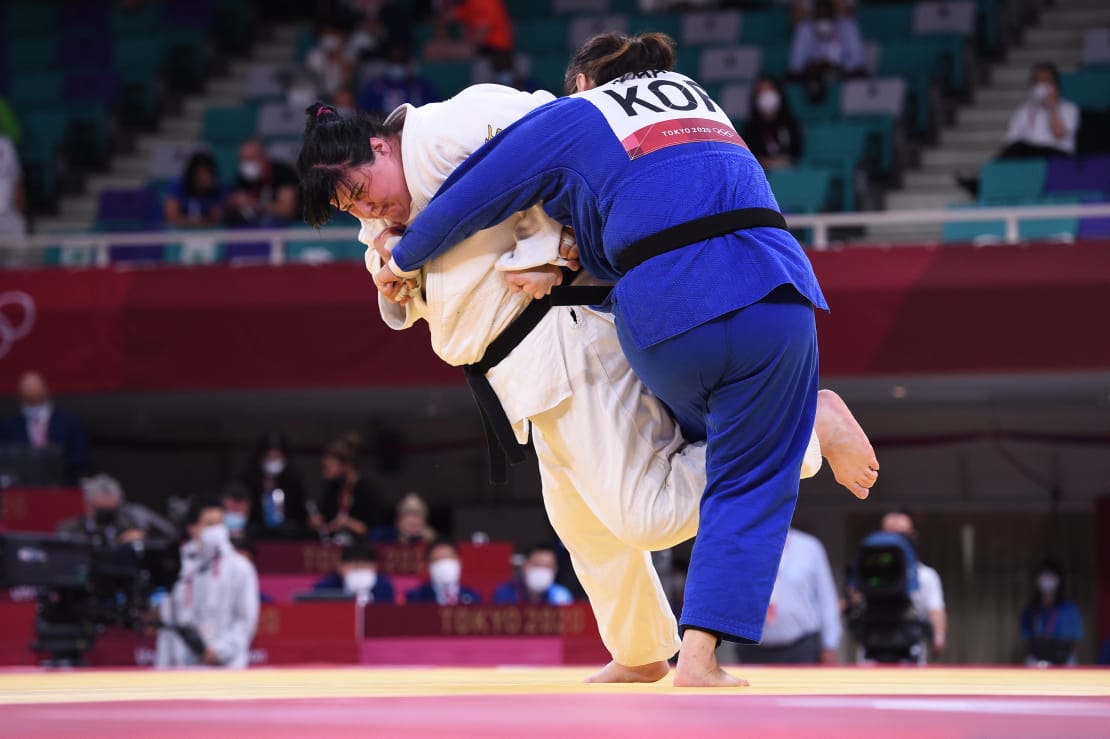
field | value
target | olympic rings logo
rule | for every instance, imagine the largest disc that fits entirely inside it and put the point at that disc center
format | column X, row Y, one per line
column 9, row 332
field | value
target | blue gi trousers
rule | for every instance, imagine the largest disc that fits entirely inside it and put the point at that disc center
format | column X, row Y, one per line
column 747, row 383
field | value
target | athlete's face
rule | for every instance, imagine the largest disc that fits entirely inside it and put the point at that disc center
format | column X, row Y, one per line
column 377, row 189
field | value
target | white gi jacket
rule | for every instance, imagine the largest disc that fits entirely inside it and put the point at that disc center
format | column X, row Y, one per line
column 219, row 597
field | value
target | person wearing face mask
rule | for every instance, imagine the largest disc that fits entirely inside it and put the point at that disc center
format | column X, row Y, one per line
column 1051, row 624
column 331, row 60
column 410, row 526
column 39, row 424
column 828, row 44
column 108, row 520
column 536, row 584
column 236, row 500
column 772, row 132
column 444, row 586
column 1045, row 125
column 349, row 507
column 928, row 601
column 216, row 595
column 277, row 507
column 265, row 191
column 398, row 83
column 358, row 575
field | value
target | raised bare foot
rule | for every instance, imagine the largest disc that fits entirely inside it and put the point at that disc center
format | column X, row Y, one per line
column 615, row 672
column 697, row 664
column 845, row 445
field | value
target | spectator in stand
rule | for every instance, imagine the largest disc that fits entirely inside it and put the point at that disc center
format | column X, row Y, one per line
column 398, row 83
column 772, row 132
column 236, row 500
column 358, row 575
column 349, row 506
column 196, row 200
column 345, row 102
column 1045, row 125
column 1104, row 652
column 330, row 60
column 13, row 200
column 536, row 584
column 39, row 424
column 803, row 620
column 411, row 525
column 277, row 500
column 827, row 47
column 216, row 597
column 444, row 585
column 266, row 192
column 928, row 601
column 505, row 72
column 1051, row 625
column 108, row 520
column 486, row 24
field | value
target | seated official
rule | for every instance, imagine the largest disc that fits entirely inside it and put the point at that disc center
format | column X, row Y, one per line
column 444, row 585
column 357, row 574
column 411, row 525
column 536, row 584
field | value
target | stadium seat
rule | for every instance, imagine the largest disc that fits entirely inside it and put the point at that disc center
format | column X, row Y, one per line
column 1012, row 179
column 285, row 150
column 668, row 24
column 876, row 96
column 135, row 19
column 168, row 160
column 227, row 162
column 33, row 91
column 128, row 210
column 776, row 60
column 735, row 99
column 542, row 35
column 266, row 81
column 944, row 17
column 575, row 7
column 1096, row 47
column 807, row 110
column 83, row 51
column 1087, row 88
column 1073, row 174
column 25, row 18
column 280, row 121
column 766, row 26
column 229, row 125
column 885, row 22
column 710, row 28
column 447, row 78
column 583, row 27
column 44, row 134
column 36, row 54
column 801, row 190
column 729, row 63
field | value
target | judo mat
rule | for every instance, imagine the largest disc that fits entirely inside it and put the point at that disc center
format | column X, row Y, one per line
column 899, row 702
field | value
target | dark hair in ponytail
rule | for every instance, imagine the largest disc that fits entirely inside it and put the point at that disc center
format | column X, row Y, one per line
column 333, row 143
column 608, row 56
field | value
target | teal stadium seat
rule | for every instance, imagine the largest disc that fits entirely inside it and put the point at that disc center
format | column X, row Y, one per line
column 549, row 70
column 44, row 134
column 229, row 125
column 801, row 190
column 448, row 77
column 668, row 24
column 139, row 20
column 1088, row 88
column 776, row 60
column 765, row 27
column 885, row 22
column 1012, row 179
column 33, row 91
column 23, row 19
column 227, row 161
column 31, row 54
column 814, row 111
column 542, row 36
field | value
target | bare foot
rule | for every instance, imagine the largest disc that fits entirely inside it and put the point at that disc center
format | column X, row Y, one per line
column 845, row 445
column 615, row 672
column 697, row 664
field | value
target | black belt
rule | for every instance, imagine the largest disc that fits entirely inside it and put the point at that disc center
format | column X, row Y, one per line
column 500, row 437
column 669, row 239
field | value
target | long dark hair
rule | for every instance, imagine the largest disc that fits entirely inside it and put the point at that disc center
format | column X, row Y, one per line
column 608, row 56
column 333, row 143
column 197, row 161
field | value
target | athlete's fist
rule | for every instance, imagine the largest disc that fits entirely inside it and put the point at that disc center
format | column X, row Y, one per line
column 536, row 282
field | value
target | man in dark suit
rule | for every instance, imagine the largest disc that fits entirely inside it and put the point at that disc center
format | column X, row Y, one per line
column 39, row 424
column 109, row 520
column 444, row 584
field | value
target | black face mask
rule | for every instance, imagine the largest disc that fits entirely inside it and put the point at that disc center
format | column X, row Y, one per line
column 105, row 516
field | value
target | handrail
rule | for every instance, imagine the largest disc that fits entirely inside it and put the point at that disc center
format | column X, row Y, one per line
column 821, row 223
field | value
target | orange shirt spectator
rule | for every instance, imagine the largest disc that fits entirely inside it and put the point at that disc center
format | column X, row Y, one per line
column 487, row 24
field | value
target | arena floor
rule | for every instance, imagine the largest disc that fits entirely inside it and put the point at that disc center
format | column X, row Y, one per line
column 906, row 703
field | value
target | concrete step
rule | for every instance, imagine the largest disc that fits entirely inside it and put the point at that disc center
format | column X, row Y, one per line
column 980, row 116
column 274, row 53
column 926, row 199
column 957, row 159
column 228, row 88
column 1038, row 37
column 1063, row 56
column 964, row 138
column 1000, row 99
column 1076, row 18
column 195, row 107
column 131, row 166
column 1009, row 76
column 112, row 181
column 61, row 225
column 287, row 33
column 182, row 128
column 928, row 179
column 82, row 208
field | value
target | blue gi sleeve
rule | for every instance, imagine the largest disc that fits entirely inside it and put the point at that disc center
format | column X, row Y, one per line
column 517, row 168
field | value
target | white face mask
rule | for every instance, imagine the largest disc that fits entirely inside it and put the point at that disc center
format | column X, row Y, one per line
column 214, row 538
column 273, row 467
column 360, row 581
column 235, row 521
column 1047, row 583
column 767, row 102
column 824, row 27
column 1041, row 91
column 539, row 579
column 445, row 572
column 250, row 170
column 35, row 412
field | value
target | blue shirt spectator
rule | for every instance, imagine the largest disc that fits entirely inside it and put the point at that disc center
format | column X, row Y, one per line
column 536, row 584
column 196, row 200
column 1051, row 625
column 828, row 41
column 398, row 84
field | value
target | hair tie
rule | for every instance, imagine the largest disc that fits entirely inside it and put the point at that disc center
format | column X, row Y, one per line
column 322, row 109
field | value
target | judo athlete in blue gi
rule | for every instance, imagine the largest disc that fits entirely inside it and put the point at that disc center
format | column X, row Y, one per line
column 713, row 302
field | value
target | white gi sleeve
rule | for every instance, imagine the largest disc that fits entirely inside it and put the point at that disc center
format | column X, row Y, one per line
column 235, row 641
column 537, row 242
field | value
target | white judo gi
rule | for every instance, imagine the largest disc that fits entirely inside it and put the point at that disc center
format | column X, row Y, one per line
column 218, row 596
column 618, row 478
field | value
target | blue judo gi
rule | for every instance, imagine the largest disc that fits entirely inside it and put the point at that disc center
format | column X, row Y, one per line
column 722, row 330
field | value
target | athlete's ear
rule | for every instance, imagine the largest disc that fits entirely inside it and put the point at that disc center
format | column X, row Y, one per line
column 582, row 83
column 379, row 146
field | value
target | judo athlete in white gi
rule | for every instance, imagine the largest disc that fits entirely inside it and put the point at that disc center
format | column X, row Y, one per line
column 568, row 380
column 216, row 596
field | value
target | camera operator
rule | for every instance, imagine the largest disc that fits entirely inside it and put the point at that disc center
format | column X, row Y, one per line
column 928, row 601
column 211, row 616
column 109, row 520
